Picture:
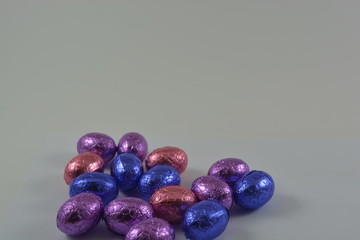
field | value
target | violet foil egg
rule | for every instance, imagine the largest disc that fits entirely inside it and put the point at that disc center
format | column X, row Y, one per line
column 135, row 143
column 127, row 169
column 98, row 143
column 173, row 156
column 170, row 203
column 83, row 163
column 229, row 170
column 156, row 178
column 122, row 213
column 151, row 229
column 211, row 188
column 79, row 214
column 254, row 190
column 100, row 184
column 205, row 220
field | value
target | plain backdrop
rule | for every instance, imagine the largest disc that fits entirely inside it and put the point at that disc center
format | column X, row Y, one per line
column 180, row 69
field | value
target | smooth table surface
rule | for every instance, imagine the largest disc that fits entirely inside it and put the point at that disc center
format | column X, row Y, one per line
column 316, row 197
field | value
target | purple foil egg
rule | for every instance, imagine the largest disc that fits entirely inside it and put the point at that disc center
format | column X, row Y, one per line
column 79, row 214
column 123, row 213
column 98, row 143
column 151, row 229
column 135, row 143
column 212, row 188
column 229, row 170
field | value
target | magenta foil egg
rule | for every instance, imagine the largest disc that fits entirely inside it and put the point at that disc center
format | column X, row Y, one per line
column 212, row 188
column 123, row 213
column 151, row 229
column 98, row 143
column 134, row 143
column 79, row 214
column 229, row 170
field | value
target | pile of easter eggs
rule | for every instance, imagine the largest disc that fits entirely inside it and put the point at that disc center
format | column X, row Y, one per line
column 202, row 211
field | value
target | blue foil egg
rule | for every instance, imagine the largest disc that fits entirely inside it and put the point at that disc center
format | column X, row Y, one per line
column 100, row 184
column 205, row 220
column 156, row 178
column 254, row 190
column 127, row 169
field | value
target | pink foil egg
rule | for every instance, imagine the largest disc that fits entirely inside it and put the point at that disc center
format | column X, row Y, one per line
column 83, row 163
column 173, row 156
column 170, row 203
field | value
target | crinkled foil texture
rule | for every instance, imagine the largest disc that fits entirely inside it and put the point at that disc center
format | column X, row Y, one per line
column 156, row 178
column 211, row 188
column 133, row 143
column 98, row 143
column 170, row 203
column 123, row 213
column 151, row 229
column 101, row 184
column 79, row 214
column 229, row 170
column 127, row 169
column 173, row 156
column 254, row 190
column 83, row 163
column 205, row 220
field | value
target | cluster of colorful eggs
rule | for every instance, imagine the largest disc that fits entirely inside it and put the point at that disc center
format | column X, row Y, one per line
column 203, row 211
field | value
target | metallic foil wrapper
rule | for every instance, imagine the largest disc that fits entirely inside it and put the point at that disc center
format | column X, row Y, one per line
column 79, row 214
column 133, row 143
column 173, row 156
column 156, row 178
column 254, row 190
column 151, row 229
column 123, row 213
column 83, row 163
column 170, row 203
column 98, row 143
column 127, row 169
column 101, row 184
column 205, row 220
column 212, row 188
column 229, row 170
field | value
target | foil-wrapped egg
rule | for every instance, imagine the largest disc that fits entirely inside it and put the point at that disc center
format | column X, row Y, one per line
column 79, row 214
column 254, row 190
column 205, row 220
column 229, row 170
column 212, row 188
column 173, row 156
column 83, row 163
column 156, row 178
column 170, row 203
column 101, row 184
column 151, row 229
column 133, row 143
column 122, row 213
column 127, row 169
column 98, row 143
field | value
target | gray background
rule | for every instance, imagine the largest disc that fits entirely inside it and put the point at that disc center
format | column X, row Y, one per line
column 220, row 71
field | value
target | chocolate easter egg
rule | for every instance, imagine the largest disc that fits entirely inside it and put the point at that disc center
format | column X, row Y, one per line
column 79, row 214
column 173, row 156
column 98, row 143
column 83, row 163
column 170, row 203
